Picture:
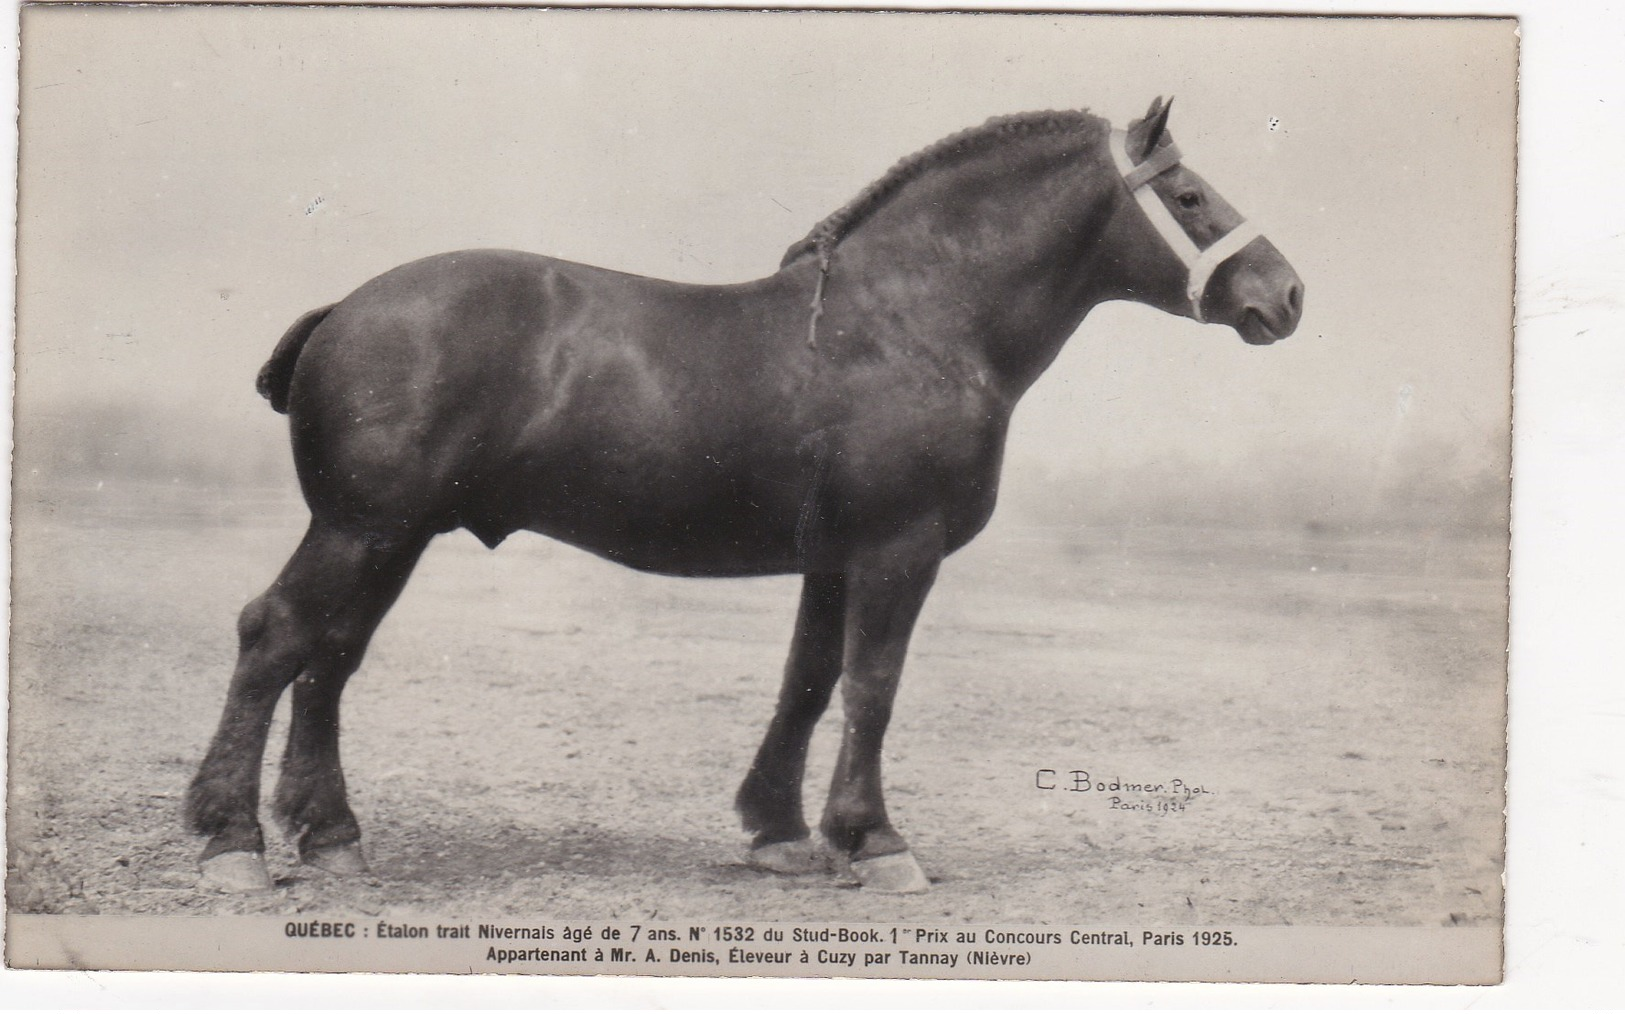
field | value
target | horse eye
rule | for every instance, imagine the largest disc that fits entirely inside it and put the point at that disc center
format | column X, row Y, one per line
column 1189, row 199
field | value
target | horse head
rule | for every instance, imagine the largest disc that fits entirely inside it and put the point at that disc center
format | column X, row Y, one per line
column 1199, row 257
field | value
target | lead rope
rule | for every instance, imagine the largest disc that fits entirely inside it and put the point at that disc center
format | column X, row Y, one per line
column 824, row 254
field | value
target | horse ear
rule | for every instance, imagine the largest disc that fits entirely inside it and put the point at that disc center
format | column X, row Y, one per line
column 1145, row 134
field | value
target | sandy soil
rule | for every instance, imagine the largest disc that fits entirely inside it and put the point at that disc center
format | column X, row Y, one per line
column 539, row 733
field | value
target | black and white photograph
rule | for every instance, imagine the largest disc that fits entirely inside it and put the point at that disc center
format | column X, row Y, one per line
column 818, row 494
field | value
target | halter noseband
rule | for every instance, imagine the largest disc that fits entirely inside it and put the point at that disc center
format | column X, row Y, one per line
column 1199, row 264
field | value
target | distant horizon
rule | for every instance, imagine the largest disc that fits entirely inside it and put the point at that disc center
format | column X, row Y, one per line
column 1437, row 485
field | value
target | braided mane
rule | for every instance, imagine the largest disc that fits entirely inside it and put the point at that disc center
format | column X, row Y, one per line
column 827, row 233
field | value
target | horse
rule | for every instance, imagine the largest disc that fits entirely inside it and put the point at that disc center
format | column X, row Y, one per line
column 842, row 419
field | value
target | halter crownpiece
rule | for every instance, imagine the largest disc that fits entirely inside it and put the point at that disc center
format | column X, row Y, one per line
column 1199, row 263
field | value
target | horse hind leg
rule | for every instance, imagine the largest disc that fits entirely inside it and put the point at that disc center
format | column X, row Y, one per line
column 310, row 628
column 223, row 800
column 310, row 800
column 769, row 800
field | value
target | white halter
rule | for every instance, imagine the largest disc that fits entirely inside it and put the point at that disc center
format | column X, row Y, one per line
column 1199, row 264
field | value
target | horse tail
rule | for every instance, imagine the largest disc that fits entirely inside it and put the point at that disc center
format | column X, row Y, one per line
column 276, row 376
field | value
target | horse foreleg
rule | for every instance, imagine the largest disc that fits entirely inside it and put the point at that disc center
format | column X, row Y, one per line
column 311, row 626
column 769, row 800
column 885, row 591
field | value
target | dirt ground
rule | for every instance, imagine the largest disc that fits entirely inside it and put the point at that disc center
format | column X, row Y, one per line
column 538, row 733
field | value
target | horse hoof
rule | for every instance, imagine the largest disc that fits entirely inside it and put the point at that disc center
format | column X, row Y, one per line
column 236, row 873
column 344, row 860
column 897, row 873
column 800, row 856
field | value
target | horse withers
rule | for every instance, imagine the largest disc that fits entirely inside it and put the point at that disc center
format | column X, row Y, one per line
column 843, row 418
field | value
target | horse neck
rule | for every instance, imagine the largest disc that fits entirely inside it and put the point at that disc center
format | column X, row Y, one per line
column 998, row 257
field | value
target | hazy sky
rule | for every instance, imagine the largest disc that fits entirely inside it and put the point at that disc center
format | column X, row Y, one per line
column 194, row 179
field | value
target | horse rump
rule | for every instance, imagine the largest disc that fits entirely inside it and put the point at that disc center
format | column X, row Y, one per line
column 276, row 376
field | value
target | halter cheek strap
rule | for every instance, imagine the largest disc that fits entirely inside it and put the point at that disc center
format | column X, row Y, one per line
column 1199, row 264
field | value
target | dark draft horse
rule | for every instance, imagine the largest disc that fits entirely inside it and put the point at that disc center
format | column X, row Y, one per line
column 843, row 419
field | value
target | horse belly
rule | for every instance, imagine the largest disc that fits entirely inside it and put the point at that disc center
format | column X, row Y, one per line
column 697, row 524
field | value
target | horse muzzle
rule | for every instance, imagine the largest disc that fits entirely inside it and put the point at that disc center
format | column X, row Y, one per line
column 1265, row 300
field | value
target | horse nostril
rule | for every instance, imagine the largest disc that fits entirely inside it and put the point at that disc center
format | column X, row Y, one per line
column 1294, row 299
